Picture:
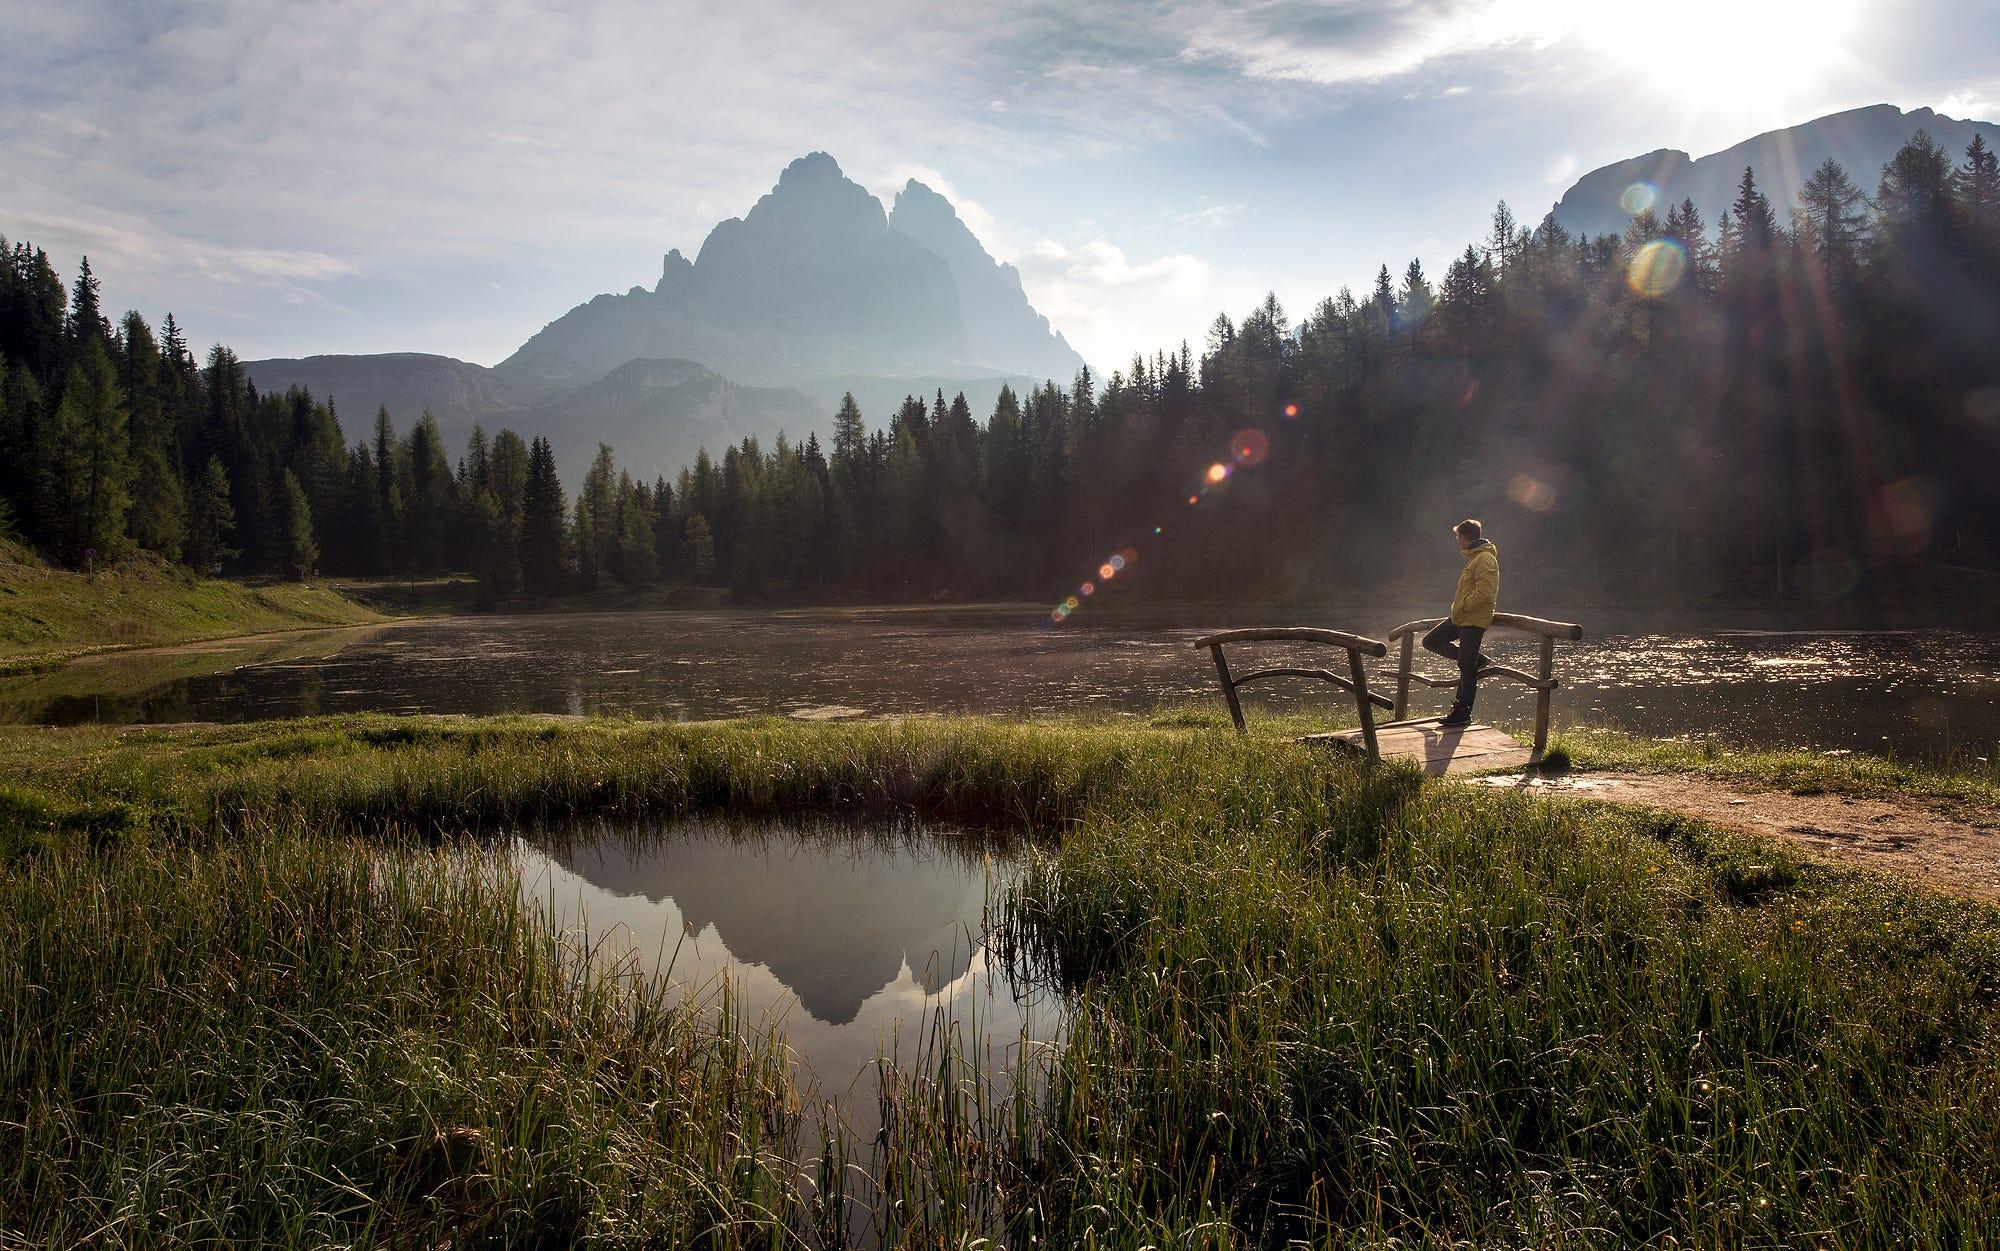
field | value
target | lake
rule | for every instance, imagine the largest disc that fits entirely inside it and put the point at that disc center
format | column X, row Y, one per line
column 1746, row 676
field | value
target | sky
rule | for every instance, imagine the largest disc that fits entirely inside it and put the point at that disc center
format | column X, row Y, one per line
column 295, row 177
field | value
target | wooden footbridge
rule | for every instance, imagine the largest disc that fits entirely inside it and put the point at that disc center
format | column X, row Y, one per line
column 1433, row 747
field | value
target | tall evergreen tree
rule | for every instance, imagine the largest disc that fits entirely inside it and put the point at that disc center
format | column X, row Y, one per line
column 211, row 520
column 300, row 548
column 92, row 460
column 542, row 511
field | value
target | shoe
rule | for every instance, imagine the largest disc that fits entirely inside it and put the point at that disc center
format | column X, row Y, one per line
column 1455, row 721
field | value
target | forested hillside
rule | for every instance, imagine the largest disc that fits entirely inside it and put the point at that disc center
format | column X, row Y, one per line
column 1754, row 409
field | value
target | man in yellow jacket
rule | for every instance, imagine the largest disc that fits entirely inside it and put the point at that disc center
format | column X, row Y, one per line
column 1457, row 636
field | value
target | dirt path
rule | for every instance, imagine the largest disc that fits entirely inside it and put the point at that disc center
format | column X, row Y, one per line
column 1955, row 849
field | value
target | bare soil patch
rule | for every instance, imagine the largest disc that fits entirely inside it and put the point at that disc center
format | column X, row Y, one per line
column 1954, row 848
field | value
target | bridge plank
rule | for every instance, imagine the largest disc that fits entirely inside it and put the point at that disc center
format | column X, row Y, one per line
column 1474, row 749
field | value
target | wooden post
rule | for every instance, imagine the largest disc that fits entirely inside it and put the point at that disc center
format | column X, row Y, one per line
column 1402, row 708
column 1542, row 696
column 1360, row 673
column 1228, row 687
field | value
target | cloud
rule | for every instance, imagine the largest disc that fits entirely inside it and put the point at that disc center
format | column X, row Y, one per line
column 1562, row 171
column 1359, row 41
column 128, row 248
column 1208, row 216
column 1105, row 302
column 74, row 127
column 1970, row 104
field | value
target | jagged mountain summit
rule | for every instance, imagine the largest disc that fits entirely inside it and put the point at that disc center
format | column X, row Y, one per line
column 817, row 290
column 1862, row 140
column 1003, row 329
column 816, row 280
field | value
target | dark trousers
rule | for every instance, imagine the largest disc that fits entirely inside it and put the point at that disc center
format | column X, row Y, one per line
column 1460, row 643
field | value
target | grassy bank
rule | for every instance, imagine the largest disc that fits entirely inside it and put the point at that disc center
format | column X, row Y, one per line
column 47, row 614
column 1967, row 776
column 1310, row 1000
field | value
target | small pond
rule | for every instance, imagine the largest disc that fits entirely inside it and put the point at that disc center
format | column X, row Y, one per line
column 852, row 941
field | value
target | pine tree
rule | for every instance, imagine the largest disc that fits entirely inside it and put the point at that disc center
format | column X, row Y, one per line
column 300, row 549
column 697, row 549
column 1416, row 299
column 392, row 556
column 429, row 511
column 1913, row 201
column 211, row 520
column 92, row 460
column 1382, row 303
column 1502, row 241
column 1832, row 221
column 87, row 324
column 542, row 523
column 1977, row 185
column 157, row 518
column 1750, row 226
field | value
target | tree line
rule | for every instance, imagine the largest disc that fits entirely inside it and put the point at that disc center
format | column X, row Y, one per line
column 1778, row 405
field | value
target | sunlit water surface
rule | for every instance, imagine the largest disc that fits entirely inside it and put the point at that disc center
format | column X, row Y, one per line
column 1751, row 678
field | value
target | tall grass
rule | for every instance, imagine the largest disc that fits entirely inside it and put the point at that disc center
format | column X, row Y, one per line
column 298, row 1042
column 1311, row 1001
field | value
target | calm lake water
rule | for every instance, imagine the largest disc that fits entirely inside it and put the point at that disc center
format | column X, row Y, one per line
column 853, row 941
column 1767, row 678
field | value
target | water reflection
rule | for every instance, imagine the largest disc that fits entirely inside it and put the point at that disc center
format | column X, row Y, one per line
column 845, row 939
column 1739, row 676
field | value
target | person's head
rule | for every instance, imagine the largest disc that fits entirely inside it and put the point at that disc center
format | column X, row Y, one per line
column 1469, row 532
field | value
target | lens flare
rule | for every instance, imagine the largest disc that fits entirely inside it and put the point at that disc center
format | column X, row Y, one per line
column 1291, row 410
column 1194, row 499
column 1903, row 508
column 1982, row 405
column 1217, row 472
column 1116, row 565
column 1106, row 572
column 1088, row 588
column 1072, row 603
column 1531, row 493
column 1656, row 268
column 1638, row 197
column 1159, row 530
column 1249, row 447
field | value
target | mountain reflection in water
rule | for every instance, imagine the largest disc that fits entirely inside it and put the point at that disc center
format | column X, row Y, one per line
column 845, row 939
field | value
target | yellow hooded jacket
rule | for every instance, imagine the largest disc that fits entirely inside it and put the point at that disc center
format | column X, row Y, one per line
column 1478, row 586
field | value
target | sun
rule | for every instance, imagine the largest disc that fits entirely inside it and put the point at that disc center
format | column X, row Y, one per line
column 1726, row 52
column 1715, row 56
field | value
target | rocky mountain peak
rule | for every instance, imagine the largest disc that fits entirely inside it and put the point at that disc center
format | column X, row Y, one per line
column 674, row 270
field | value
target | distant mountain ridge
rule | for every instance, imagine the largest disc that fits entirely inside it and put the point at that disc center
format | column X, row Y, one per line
column 814, row 291
column 657, row 414
column 1862, row 140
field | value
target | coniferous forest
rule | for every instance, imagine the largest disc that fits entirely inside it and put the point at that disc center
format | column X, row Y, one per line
column 1769, row 407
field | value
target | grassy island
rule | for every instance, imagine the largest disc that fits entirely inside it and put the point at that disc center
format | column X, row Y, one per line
column 247, row 1000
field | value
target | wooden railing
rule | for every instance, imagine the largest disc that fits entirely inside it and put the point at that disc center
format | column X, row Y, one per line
column 1355, row 681
column 1543, row 682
